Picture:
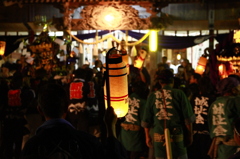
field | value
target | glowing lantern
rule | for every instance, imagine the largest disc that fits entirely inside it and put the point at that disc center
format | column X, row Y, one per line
column 201, row 65
column 138, row 61
column 179, row 57
column 153, row 40
column 222, row 71
column 125, row 60
column 118, row 85
column 2, row 47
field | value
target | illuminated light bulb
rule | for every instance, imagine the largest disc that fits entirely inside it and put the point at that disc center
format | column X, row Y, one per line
column 109, row 18
column 153, row 40
column 179, row 57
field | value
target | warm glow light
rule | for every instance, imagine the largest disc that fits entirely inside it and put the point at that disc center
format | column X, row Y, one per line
column 118, row 85
column 138, row 62
column 153, row 40
column 125, row 60
column 2, row 47
column 179, row 57
column 236, row 36
column 201, row 65
column 222, row 71
column 109, row 18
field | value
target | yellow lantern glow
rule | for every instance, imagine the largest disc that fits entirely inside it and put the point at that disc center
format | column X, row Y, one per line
column 201, row 65
column 222, row 71
column 125, row 60
column 153, row 40
column 118, row 85
column 2, row 47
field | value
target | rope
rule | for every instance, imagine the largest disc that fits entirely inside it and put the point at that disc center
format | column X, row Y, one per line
column 109, row 36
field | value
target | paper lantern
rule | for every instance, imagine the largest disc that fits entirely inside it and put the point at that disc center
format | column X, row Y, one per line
column 2, row 47
column 153, row 40
column 201, row 65
column 125, row 60
column 222, row 71
column 118, row 85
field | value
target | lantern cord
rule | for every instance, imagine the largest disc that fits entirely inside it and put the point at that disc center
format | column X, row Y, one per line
column 109, row 36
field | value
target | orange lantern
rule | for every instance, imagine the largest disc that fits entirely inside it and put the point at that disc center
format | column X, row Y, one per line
column 118, row 85
column 2, row 47
column 201, row 65
column 222, row 70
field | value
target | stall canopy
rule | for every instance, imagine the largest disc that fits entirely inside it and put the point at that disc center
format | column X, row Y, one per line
column 167, row 42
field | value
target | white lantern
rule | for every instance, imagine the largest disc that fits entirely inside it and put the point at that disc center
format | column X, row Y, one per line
column 118, row 85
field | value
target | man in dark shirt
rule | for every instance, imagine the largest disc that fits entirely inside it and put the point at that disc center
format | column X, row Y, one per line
column 57, row 138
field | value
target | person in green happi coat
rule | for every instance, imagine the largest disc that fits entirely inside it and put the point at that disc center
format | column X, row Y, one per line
column 132, row 134
column 168, row 108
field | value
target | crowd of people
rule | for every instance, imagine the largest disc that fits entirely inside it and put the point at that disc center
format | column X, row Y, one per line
column 63, row 115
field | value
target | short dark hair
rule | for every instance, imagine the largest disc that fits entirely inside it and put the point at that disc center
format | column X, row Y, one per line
column 165, row 76
column 80, row 73
column 196, row 76
column 53, row 100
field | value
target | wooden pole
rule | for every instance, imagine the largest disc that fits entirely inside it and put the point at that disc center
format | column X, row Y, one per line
column 168, row 143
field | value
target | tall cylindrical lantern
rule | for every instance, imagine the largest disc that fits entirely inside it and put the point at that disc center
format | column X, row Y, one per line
column 2, row 47
column 118, row 85
column 125, row 60
column 201, row 65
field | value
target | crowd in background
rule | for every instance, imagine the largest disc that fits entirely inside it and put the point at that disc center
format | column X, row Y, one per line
column 212, row 110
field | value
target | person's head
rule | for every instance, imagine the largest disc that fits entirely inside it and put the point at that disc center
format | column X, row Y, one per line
column 141, row 89
column 237, row 131
column 205, row 85
column 228, row 86
column 89, row 74
column 165, row 77
column 98, row 63
column 184, row 62
column 52, row 101
column 17, row 81
column 164, row 59
column 194, row 78
column 80, row 73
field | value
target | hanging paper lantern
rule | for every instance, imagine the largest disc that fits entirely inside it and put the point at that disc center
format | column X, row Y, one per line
column 2, row 47
column 222, row 71
column 201, row 65
column 118, row 85
column 80, row 48
column 95, row 50
column 125, row 60
column 153, row 40
column 133, row 51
